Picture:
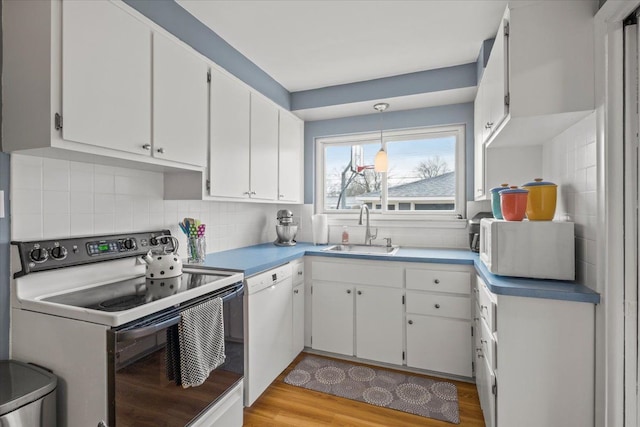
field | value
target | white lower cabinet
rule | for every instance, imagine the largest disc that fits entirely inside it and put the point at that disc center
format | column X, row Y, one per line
column 534, row 360
column 439, row 344
column 332, row 323
column 379, row 324
column 438, row 323
column 357, row 309
column 298, row 307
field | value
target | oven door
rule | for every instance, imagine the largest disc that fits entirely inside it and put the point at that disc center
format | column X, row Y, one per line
column 140, row 391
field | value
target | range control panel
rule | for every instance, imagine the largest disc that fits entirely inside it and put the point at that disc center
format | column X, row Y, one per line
column 49, row 254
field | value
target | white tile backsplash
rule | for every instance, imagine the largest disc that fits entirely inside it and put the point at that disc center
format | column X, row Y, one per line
column 576, row 179
column 57, row 199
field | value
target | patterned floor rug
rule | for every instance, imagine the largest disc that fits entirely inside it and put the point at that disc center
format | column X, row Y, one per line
column 403, row 392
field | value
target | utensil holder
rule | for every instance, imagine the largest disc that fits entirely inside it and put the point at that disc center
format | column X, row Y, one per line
column 196, row 250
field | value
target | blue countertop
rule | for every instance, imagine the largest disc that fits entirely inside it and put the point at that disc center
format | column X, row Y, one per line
column 255, row 259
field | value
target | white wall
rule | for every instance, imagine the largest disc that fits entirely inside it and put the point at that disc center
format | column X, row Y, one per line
column 58, row 199
column 569, row 160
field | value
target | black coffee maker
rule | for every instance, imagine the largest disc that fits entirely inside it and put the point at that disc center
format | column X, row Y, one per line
column 474, row 230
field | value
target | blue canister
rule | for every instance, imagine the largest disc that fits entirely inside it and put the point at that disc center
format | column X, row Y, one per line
column 495, row 201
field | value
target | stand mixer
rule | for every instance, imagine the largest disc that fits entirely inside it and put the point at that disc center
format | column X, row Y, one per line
column 285, row 229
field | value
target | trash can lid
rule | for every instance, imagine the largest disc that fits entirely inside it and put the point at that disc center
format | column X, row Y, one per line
column 21, row 384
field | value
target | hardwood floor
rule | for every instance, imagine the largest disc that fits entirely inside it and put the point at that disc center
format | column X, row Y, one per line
column 286, row 405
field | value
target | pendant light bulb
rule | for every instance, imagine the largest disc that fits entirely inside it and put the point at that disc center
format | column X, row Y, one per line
column 381, row 162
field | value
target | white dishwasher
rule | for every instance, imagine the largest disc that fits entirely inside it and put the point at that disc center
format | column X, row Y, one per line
column 269, row 311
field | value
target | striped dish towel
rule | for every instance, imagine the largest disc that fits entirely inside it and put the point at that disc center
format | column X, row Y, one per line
column 201, row 334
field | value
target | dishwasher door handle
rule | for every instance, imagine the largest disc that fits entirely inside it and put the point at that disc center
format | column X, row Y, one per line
column 145, row 331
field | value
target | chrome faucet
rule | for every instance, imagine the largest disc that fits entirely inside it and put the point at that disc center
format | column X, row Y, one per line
column 368, row 237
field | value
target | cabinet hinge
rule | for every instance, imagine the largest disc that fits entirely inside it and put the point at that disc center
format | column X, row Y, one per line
column 208, row 184
column 403, row 355
column 494, row 389
column 311, row 341
column 402, row 299
column 311, row 290
column 208, row 76
column 507, row 99
column 472, row 331
column 57, row 119
column 506, row 29
column 473, row 368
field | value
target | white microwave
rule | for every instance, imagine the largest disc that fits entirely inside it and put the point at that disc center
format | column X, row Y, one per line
column 536, row 249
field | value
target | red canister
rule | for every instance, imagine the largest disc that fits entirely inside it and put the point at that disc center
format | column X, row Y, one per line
column 513, row 202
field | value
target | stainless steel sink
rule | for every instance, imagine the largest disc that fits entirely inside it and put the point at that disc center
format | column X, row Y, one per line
column 363, row 249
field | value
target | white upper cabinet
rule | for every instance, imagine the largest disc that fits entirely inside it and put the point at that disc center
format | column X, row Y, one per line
column 106, row 77
column 255, row 146
column 493, row 100
column 539, row 78
column 99, row 82
column 230, row 137
column 180, row 103
column 264, row 149
column 290, row 161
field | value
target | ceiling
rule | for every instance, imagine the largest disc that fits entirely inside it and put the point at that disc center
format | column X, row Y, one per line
column 309, row 44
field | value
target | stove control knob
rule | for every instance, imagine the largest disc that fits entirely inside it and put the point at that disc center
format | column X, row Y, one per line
column 153, row 241
column 129, row 244
column 38, row 255
column 58, row 252
column 164, row 240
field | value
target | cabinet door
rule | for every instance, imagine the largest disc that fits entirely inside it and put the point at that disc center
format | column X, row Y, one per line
column 298, row 320
column 332, row 318
column 106, row 77
column 485, row 381
column 379, row 324
column 439, row 344
column 478, row 153
column 290, row 162
column 179, row 103
column 264, row 149
column 497, row 80
column 229, row 143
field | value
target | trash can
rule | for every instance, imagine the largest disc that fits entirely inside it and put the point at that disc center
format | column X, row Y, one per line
column 27, row 395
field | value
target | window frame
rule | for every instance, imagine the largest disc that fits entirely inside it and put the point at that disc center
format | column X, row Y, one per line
column 395, row 135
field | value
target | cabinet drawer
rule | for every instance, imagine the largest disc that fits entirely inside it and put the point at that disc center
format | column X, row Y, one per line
column 439, row 305
column 361, row 273
column 488, row 345
column 457, row 282
column 487, row 305
column 298, row 272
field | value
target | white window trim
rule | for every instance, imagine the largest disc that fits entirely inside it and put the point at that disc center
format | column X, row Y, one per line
column 446, row 219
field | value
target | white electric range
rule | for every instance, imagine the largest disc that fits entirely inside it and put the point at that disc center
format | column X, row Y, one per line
column 83, row 308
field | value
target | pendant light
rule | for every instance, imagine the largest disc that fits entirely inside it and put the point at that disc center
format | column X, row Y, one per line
column 380, row 163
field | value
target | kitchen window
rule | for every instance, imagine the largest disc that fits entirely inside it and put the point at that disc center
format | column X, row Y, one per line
column 425, row 178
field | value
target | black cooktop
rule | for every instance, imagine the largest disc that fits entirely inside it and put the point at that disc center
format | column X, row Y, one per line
column 134, row 292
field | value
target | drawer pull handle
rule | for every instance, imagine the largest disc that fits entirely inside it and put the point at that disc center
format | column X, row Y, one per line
column 437, row 281
column 299, row 273
column 483, row 341
column 437, row 306
column 359, row 292
column 410, row 322
column 295, row 291
column 348, row 291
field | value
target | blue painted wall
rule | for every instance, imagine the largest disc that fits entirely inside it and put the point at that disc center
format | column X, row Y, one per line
column 175, row 19
column 440, row 79
column 483, row 57
column 432, row 116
